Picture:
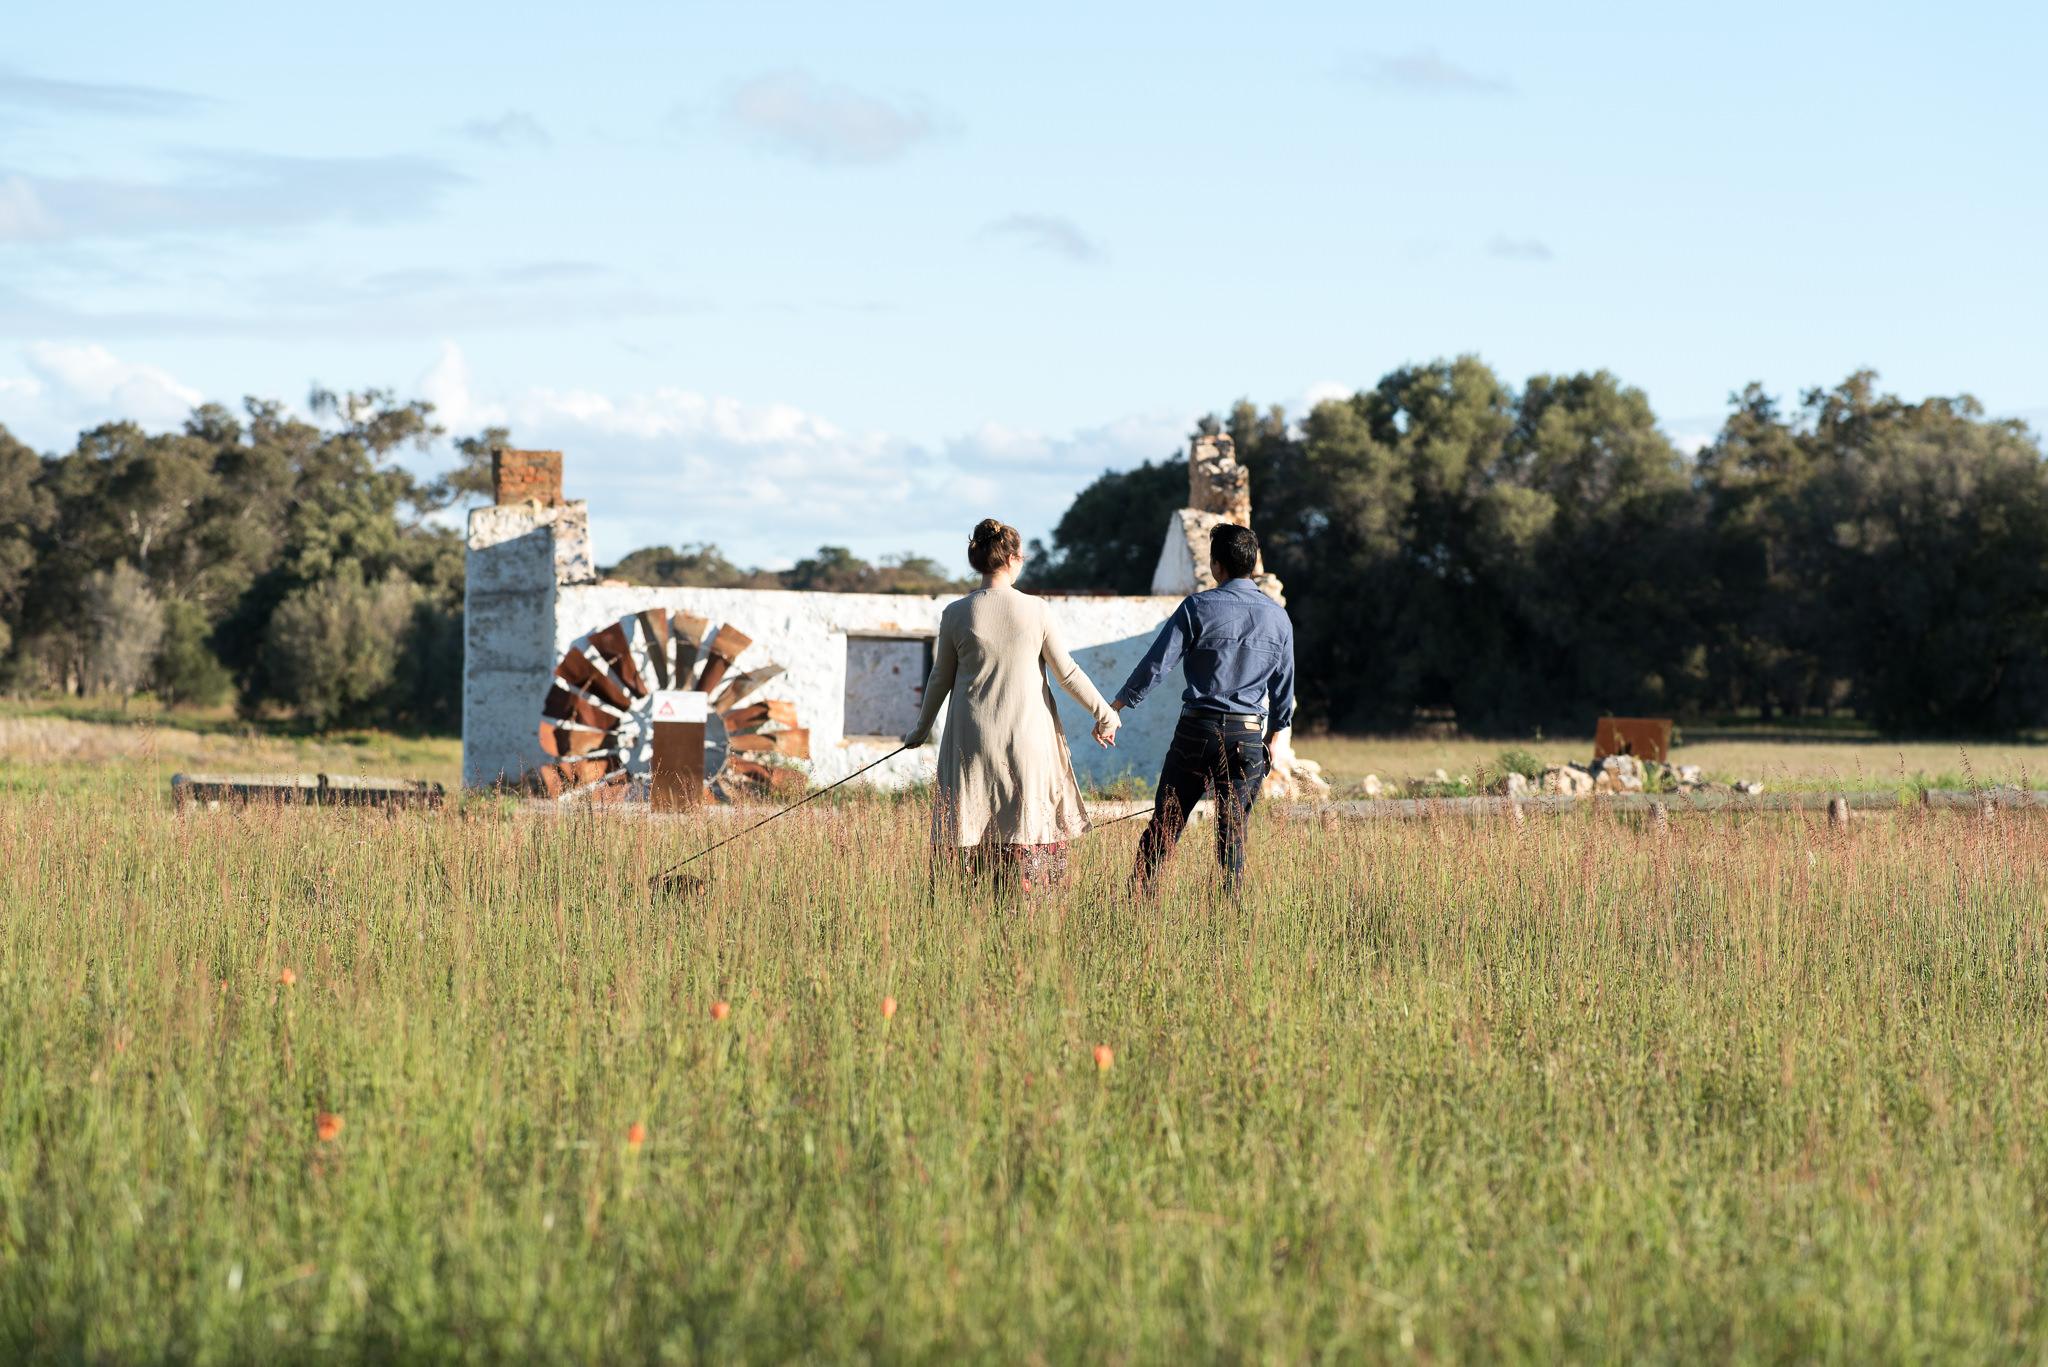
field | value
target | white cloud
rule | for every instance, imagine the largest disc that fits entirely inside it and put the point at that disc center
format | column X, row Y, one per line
column 72, row 388
column 1518, row 248
column 225, row 192
column 1423, row 73
column 513, row 128
column 22, row 215
column 771, row 481
column 1323, row 391
column 94, row 379
column 89, row 97
column 828, row 124
column 1046, row 232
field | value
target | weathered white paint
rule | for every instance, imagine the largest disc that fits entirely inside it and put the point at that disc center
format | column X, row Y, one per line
column 522, row 620
column 1177, row 574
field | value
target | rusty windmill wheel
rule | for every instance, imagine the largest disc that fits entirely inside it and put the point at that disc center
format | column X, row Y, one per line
column 597, row 720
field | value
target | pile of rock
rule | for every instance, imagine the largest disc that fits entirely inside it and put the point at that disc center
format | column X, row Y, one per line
column 1292, row 778
column 1618, row 774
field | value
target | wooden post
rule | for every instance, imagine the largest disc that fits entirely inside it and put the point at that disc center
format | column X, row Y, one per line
column 678, row 750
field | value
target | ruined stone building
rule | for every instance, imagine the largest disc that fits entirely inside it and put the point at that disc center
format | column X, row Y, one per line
column 562, row 669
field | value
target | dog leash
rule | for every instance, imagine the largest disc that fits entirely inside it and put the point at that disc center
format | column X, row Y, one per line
column 765, row 820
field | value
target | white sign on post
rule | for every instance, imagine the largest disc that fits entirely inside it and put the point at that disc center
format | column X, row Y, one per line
column 676, row 704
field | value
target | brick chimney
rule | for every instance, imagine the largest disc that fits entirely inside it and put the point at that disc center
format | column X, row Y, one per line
column 526, row 476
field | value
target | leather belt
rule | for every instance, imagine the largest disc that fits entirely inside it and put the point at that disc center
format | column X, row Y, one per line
column 1203, row 715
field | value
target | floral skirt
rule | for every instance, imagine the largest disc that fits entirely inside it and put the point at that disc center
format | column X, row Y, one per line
column 1029, row 867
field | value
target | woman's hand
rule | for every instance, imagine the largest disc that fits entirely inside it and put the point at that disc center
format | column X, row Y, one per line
column 1105, row 731
column 914, row 737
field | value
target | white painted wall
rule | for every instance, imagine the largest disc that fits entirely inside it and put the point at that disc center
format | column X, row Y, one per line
column 521, row 621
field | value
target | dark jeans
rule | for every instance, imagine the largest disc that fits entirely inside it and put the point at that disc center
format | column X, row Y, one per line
column 1223, row 756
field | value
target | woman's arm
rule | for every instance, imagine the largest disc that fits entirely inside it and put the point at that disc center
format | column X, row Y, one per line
column 945, row 664
column 1070, row 677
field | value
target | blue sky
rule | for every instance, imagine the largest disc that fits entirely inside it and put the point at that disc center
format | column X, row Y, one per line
column 778, row 275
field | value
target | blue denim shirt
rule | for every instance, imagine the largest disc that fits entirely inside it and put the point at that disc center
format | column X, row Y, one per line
column 1239, row 648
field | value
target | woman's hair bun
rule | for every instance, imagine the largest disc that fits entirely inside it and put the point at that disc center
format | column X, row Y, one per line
column 993, row 543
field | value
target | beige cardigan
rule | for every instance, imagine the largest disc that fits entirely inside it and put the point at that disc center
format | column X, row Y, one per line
column 1004, row 772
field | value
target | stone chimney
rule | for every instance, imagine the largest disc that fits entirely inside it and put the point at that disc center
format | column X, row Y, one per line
column 1217, row 483
column 526, row 476
column 1219, row 491
column 529, row 508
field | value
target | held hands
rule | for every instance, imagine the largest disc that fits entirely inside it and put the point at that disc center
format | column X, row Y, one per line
column 1105, row 732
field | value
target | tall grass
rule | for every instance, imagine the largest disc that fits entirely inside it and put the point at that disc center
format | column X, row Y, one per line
column 1751, row 1091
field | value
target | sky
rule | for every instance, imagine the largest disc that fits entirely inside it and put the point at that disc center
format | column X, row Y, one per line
column 783, row 275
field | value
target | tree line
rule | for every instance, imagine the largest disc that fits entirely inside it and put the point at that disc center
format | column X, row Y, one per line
column 1523, row 558
column 1538, row 557
column 286, row 564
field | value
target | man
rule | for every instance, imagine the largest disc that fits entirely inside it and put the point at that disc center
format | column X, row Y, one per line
column 1239, row 649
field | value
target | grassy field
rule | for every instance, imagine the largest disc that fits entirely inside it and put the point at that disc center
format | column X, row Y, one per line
column 45, row 745
column 1791, row 760
column 1750, row 1092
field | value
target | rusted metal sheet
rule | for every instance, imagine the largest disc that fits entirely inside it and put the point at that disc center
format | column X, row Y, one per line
column 689, row 635
column 611, row 643
column 564, row 743
column 564, row 705
column 740, row 718
column 1647, row 738
column 574, row 773
column 744, row 684
column 577, row 668
column 724, row 649
column 654, row 627
column 678, row 765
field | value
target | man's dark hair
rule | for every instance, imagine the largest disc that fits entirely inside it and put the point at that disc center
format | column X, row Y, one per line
column 1236, row 549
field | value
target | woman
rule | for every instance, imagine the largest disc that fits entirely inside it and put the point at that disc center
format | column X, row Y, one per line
column 1007, row 794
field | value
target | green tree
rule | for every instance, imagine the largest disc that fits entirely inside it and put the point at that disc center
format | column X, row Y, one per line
column 333, row 646
column 1110, row 536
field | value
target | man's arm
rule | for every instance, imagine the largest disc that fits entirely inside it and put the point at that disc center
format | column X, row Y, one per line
column 1280, row 692
column 1167, row 648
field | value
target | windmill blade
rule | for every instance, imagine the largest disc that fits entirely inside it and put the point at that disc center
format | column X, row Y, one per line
column 564, row 743
column 743, row 684
column 791, row 744
column 689, row 630
column 578, row 670
column 566, row 778
column 654, row 631
column 564, row 705
column 611, row 643
column 725, row 650
column 739, row 719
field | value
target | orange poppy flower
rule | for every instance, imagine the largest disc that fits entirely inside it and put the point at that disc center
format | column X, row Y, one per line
column 720, row 1010
column 636, row 1134
column 327, row 1125
column 1104, row 1056
column 888, row 1007
column 287, row 977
